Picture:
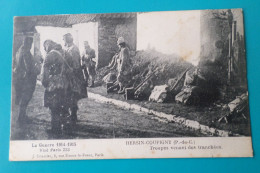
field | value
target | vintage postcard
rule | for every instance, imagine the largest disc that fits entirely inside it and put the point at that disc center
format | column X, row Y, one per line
column 167, row 84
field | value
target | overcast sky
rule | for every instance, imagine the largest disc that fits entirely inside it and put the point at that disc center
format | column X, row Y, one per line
column 170, row 33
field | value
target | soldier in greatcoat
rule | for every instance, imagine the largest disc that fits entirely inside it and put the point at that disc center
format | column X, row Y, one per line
column 77, row 86
column 26, row 69
column 56, row 84
column 123, row 65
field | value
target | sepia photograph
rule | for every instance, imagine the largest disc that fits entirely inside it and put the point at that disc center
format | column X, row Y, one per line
column 138, row 76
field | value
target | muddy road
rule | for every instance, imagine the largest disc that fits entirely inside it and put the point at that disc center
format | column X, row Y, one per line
column 95, row 120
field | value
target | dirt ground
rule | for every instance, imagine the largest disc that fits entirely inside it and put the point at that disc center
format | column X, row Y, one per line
column 96, row 120
column 206, row 115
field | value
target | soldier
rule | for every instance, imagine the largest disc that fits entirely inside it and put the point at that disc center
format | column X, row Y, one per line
column 88, row 63
column 77, row 87
column 26, row 69
column 55, row 83
column 123, row 63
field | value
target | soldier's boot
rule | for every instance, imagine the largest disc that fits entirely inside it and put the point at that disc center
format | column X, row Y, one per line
column 23, row 118
column 55, row 123
column 92, row 81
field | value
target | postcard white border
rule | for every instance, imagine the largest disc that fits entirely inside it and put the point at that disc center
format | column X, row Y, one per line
column 130, row 148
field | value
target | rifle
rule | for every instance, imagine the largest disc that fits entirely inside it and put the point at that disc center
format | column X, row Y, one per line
column 178, row 81
column 129, row 92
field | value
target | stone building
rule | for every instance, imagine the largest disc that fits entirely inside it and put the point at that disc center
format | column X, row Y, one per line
column 109, row 28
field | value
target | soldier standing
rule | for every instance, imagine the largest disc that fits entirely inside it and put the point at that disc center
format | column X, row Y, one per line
column 76, row 88
column 123, row 65
column 26, row 69
column 55, row 83
column 88, row 63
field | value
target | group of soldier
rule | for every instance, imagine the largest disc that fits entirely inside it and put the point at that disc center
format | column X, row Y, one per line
column 65, row 75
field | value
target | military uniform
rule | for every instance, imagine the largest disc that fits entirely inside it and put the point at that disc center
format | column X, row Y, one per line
column 89, row 65
column 123, row 67
column 55, row 83
column 77, row 87
column 25, row 75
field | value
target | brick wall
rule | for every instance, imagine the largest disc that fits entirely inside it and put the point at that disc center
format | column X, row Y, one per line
column 108, row 32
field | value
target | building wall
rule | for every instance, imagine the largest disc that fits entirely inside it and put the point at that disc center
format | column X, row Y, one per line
column 108, row 32
column 215, row 34
column 212, row 30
